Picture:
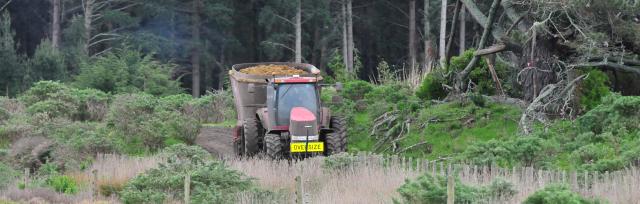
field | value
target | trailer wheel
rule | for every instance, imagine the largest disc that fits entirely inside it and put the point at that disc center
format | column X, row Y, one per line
column 251, row 133
column 273, row 145
column 339, row 127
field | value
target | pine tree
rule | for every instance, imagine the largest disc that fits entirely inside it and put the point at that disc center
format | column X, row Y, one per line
column 11, row 68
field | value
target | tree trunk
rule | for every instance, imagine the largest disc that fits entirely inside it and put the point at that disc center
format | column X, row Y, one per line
column 55, row 24
column 412, row 34
column 88, row 12
column 222, row 70
column 345, row 42
column 454, row 24
column 443, row 34
column 463, row 30
column 351, row 46
column 299, row 32
column 195, row 49
column 460, row 77
column 428, row 49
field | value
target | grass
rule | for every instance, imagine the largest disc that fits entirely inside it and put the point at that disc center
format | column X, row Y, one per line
column 112, row 172
column 369, row 180
column 448, row 128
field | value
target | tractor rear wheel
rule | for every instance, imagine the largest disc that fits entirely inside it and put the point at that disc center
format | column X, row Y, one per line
column 273, row 145
column 339, row 127
column 251, row 132
column 332, row 143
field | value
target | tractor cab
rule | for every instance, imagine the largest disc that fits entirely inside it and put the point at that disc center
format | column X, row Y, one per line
column 293, row 100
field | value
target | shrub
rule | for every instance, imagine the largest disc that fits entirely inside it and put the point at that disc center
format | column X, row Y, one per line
column 615, row 114
column 30, row 152
column 481, row 75
column 339, row 161
column 428, row 189
column 356, row 89
column 557, row 194
column 63, row 184
column 501, row 188
column 59, row 100
column 7, row 175
column 431, row 87
column 593, row 89
column 47, row 63
column 128, row 71
column 211, row 181
column 53, row 108
column 488, row 153
column 44, row 90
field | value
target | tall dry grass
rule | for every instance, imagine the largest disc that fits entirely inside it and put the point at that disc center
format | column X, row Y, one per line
column 375, row 180
column 110, row 172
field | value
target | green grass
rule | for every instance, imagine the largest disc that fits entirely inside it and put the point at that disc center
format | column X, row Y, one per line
column 359, row 130
column 448, row 129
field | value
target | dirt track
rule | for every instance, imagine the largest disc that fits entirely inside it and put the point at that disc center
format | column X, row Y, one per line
column 217, row 140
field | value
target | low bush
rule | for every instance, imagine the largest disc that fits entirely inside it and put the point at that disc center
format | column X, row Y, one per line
column 593, row 89
column 211, row 181
column 7, row 175
column 431, row 87
column 138, row 119
column 63, row 184
column 557, row 194
column 356, row 89
column 339, row 161
column 428, row 189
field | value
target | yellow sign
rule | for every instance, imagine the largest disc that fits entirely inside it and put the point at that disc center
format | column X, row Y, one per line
column 302, row 146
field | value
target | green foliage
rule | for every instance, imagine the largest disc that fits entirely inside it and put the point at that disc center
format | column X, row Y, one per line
column 557, row 194
column 47, row 63
column 593, row 89
column 617, row 114
column 431, row 87
column 211, row 181
column 12, row 72
column 428, row 189
column 339, row 161
column 480, row 76
column 7, row 174
column 128, row 71
column 59, row 100
column 63, row 184
column 478, row 99
column 138, row 120
column 356, row 89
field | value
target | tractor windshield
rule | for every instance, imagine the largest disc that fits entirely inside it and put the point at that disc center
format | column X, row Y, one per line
column 295, row 95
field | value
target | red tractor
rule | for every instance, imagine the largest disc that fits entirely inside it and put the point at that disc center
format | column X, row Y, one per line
column 283, row 115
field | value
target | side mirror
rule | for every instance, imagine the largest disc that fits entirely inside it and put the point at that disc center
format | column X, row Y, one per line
column 338, row 86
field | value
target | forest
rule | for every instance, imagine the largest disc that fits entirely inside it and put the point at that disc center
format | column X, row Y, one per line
column 509, row 101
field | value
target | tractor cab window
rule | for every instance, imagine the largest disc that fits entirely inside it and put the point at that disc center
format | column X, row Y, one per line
column 295, row 95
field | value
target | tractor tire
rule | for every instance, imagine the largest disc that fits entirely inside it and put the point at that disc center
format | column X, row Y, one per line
column 333, row 144
column 339, row 127
column 273, row 145
column 251, row 136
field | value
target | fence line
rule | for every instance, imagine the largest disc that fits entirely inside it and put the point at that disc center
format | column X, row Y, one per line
column 383, row 175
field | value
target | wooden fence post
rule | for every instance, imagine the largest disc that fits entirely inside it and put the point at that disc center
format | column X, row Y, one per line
column 26, row 177
column 187, row 188
column 450, row 189
column 94, row 184
column 299, row 191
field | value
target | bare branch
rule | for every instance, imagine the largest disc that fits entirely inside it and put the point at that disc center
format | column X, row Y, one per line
column 5, row 5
